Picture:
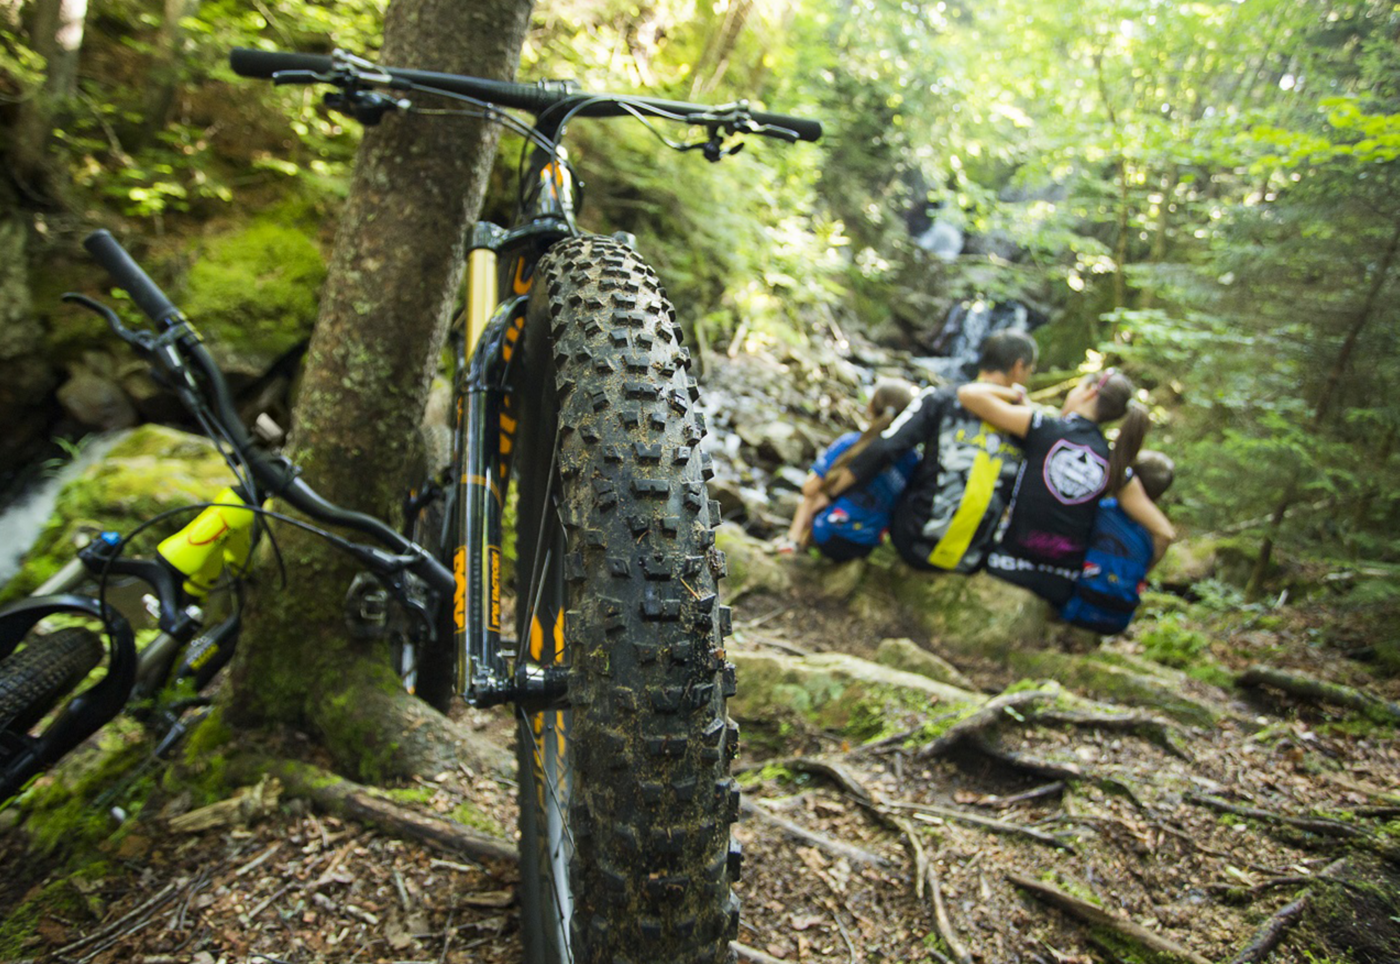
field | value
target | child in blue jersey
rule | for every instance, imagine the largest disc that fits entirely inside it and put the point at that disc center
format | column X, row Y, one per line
column 852, row 524
column 1121, row 551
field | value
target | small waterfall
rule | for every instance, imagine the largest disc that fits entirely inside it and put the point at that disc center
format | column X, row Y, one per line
column 968, row 325
column 23, row 520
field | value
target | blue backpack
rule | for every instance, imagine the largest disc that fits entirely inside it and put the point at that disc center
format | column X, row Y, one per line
column 1110, row 586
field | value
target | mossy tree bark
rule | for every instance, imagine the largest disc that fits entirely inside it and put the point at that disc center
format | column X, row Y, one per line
column 399, row 254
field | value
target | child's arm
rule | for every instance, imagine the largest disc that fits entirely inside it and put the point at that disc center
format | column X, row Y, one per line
column 1000, row 406
column 813, row 501
column 1141, row 509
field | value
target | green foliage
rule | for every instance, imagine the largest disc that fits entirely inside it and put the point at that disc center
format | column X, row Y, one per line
column 256, row 289
column 470, row 815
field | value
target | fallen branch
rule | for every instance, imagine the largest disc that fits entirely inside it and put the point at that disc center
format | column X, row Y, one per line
column 1271, row 933
column 982, row 719
column 986, row 823
column 831, row 845
column 358, row 802
column 1299, row 684
column 1099, row 917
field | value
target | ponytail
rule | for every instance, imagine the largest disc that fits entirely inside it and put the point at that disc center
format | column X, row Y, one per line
column 889, row 400
column 1114, row 401
column 1127, row 445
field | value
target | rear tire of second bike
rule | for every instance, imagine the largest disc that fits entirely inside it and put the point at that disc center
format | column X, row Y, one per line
column 33, row 679
column 626, row 799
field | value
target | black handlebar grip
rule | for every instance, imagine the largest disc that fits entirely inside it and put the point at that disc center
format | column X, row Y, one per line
column 806, row 130
column 109, row 253
column 265, row 63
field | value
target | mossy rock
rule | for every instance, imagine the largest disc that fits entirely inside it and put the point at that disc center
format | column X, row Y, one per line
column 1186, row 563
column 980, row 615
column 909, row 657
column 254, row 293
column 752, row 565
column 149, row 470
column 830, row 690
column 1106, row 676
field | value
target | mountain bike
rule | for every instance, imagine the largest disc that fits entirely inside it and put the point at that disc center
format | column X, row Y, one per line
column 572, row 389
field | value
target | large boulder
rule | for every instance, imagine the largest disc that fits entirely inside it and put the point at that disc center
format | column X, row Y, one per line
column 753, row 567
column 909, row 657
column 254, row 293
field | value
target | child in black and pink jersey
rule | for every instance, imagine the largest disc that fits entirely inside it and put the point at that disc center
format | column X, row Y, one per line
column 1068, row 467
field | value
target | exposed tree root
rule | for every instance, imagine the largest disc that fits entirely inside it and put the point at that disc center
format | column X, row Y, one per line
column 747, row 953
column 1322, row 826
column 358, row 802
column 985, row 823
column 1299, row 684
column 1052, row 789
column 1098, row 917
column 1267, row 938
column 1155, row 729
column 1067, row 772
column 831, row 845
column 983, row 719
column 926, row 881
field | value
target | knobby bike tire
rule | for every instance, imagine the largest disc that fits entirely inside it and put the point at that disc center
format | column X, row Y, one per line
column 32, row 679
column 625, row 796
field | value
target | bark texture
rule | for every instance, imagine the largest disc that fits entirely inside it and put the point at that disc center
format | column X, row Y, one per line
column 399, row 252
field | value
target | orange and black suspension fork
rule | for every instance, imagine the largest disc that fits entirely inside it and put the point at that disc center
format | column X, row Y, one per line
column 500, row 268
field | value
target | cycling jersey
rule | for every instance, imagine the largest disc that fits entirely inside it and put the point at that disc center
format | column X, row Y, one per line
column 1053, row 506
column 949, row 513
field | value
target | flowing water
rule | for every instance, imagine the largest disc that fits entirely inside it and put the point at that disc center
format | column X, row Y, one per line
column 23, row 519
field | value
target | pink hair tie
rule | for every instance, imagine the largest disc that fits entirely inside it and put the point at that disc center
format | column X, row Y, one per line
column 1103, row 379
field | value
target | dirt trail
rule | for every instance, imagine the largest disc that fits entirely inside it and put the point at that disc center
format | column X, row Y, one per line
column 1124, row 825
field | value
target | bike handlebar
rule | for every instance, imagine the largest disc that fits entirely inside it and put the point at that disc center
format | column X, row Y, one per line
column 276, row 475
column 528, row 97
column 109, row 253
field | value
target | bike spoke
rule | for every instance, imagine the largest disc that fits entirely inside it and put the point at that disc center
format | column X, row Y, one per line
column 552, row 770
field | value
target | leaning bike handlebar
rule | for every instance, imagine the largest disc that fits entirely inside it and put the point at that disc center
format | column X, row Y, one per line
column 178, row 348
column 537, row 99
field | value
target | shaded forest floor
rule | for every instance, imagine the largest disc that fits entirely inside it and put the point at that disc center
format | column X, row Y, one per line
column 1107, row 817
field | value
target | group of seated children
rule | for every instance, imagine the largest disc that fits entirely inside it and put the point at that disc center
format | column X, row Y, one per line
column 975, row 477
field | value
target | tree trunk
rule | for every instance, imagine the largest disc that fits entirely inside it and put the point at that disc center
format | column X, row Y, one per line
column 1363, row 318
column 399, row 255
column 165, row 69
column 57, row 35
column 1325, row 401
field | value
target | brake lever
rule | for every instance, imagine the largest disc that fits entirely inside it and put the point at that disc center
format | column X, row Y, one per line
column 143, row 341
column 365, row 106
column 160, row 350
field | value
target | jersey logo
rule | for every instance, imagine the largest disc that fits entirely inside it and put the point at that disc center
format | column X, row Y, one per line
column 1075, row 473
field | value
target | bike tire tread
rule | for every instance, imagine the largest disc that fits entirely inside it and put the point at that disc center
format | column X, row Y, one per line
column 649, row 679
column 50, row 665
